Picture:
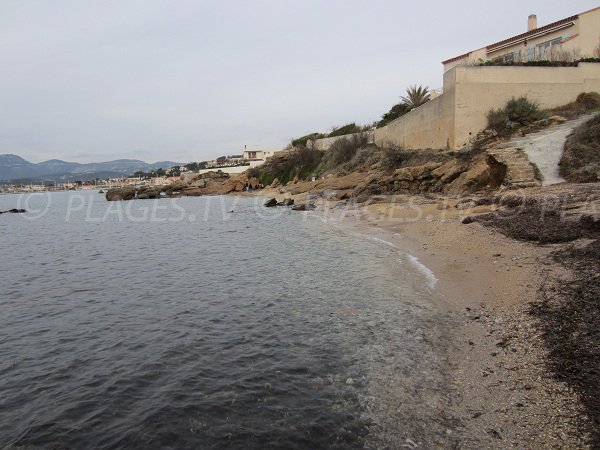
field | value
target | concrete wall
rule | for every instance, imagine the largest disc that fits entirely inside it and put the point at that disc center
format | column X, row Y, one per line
column 429, row 126
column 452, row 119
column 479, row 89
column 230, row 170
column 326, row 143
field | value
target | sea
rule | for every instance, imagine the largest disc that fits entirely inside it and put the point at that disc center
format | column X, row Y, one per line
column 212, row 322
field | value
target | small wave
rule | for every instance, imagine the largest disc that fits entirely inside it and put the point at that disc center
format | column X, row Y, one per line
column 376, row 239
column 431, row 278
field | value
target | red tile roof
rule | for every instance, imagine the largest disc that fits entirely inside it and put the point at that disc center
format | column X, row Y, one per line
column 523, row 35
column 532, row 32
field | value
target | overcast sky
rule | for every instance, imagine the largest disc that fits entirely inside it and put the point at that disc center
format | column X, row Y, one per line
column 184, row 80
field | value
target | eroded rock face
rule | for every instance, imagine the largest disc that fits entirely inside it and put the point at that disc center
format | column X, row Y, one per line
column 484, row 172
column 450, row 170
column 413, row 173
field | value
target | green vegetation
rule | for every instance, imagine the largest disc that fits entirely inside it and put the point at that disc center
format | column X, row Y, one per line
column 349, row 128
column 520, row 112
column 342, row 151
column 195, row 166
column 396, row 111
column 302, row 141
column 415, row 97
column 299, row 162
column 541, row 63
column 517, row 112
column 586, row 102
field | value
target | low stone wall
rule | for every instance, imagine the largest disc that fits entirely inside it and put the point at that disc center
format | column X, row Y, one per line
column 326, row 143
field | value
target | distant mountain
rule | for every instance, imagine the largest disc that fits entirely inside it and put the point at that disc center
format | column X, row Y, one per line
column 13, row 167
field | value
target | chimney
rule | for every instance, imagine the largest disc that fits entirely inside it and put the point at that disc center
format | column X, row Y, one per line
column 531, row 22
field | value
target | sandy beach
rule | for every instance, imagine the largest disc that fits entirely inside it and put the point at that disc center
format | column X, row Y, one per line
column 501, row 394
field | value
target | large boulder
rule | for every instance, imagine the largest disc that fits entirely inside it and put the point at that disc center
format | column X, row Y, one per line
column 449, row 171
column 303, row 207
column 485, row 172
column 286, row 202
column 124, row 193
column 270, row 203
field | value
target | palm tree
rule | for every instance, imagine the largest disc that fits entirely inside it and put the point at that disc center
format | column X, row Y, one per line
column 415, row 96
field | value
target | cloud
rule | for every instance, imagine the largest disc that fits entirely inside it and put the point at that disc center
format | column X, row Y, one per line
column 191, row 80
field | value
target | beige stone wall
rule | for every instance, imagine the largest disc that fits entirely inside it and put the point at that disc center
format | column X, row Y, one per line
column 326, row 143
column 429, row 126
column 479, row 89
column 589, row 32
column 452, row 119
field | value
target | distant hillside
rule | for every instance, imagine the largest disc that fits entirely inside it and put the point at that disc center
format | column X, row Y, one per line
column 13, row 167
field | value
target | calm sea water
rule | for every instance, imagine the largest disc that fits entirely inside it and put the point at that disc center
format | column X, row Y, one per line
column 209, row 323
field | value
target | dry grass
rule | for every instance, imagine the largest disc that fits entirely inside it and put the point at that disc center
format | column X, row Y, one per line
column 580, row 162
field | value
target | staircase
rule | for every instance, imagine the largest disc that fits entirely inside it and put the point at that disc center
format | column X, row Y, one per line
column 541, row 150
column 520, row 172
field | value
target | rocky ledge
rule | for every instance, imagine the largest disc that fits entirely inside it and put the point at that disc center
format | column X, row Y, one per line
column 193, row 184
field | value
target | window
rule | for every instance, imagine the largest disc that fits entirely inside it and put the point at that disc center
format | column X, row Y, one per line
column 545, row 49
column 530, row 53
column 508, row 58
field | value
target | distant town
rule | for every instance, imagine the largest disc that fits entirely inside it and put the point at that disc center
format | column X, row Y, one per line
column 231, row 164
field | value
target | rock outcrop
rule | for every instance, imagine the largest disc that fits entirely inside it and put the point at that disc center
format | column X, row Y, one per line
column 210, row 183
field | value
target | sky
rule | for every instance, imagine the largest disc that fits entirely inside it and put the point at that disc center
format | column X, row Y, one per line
column 96, row 80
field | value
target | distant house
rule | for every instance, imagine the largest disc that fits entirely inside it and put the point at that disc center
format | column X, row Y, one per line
column 258, row 154
column 575, row 37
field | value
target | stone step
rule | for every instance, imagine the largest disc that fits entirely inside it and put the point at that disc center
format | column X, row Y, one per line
column 519, row 171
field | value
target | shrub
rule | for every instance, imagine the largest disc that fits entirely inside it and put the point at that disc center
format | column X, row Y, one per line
column 396, row 111
column 342, row 151
column 558, row 60
column 302, row 141
column 517, row 112
column 586, row 102
column 392, row 157
column 299, row 162
column 363, row 159
column 523, row 111
column 580, row 162
column 497, row 119
column 345, row 129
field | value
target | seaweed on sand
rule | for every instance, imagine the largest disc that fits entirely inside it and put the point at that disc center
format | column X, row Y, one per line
column 567, row 312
